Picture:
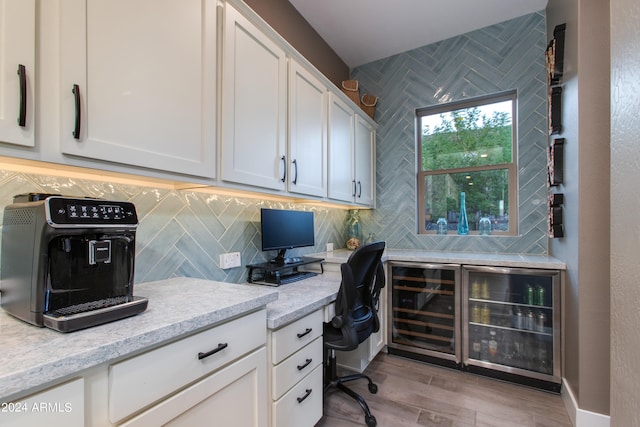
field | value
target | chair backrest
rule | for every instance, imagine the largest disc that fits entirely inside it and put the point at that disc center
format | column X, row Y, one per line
column 357, row 299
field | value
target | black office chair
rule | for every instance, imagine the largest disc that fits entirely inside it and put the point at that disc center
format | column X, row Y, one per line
column 356, row 317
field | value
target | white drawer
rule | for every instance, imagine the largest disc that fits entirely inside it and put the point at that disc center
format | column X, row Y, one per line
column 295, row 367
column 137, row 382
column 59, row 406
column 289, row 339
column 302, row 405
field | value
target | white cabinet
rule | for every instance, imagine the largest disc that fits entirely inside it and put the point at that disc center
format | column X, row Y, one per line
column 351, row 155
column 295, row 360
column 233, row 396
column 138, row 83
column 364, row 162
column 341, row 150
column 59, row 406
column 254, row 105
column 307, row 132
column 140, row 381
column 17, row 71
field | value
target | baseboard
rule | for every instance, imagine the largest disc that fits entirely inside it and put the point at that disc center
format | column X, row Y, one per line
column 580, row 417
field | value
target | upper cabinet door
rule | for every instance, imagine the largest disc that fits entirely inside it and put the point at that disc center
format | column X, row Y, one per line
column 341, row 151
column 17, row 68
column 138, row 83
column 365, row 162
column 307, row 132
column 254, row 105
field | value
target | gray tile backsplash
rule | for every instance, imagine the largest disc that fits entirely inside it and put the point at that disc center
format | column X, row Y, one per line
column 506, row 56
column 183, row 233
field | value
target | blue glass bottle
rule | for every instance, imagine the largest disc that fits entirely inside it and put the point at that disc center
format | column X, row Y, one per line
column 463, row 224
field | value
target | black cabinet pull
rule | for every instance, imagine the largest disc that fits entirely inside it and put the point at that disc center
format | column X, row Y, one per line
column 22, row 75
column 76, row 96
column 354, row 188
column 304, row 365
column 359, row 189
column 306, row 332
column 212, row 352
column 284, row 168
column 306, row 394
column 295, row 177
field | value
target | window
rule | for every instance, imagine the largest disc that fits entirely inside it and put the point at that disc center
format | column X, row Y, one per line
column 468, row 146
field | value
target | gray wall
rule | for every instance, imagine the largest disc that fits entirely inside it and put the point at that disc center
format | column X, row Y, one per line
column 585, row 249
column 625, row 204
column 501, row 57
column 287, row 21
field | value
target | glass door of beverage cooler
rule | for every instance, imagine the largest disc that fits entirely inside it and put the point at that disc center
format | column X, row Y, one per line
column 424, row 311
column 511, row 321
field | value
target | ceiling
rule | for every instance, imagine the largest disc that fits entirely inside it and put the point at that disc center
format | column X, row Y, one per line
column 362, row 31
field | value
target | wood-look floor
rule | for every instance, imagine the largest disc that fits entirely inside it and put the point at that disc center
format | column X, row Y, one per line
column 417, row 394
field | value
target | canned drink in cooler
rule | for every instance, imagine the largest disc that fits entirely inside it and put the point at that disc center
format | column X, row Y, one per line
column 540, row 318
column 528, row 296
column 539, row 297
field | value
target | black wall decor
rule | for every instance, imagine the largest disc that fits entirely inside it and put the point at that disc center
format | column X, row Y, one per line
column 555, row 162
column 555, row 55
column 556, row 217
column 555, row 110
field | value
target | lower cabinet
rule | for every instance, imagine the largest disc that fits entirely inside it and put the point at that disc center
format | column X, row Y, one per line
column 154, row 376
column 295, row 364
column 233, row 396
column 59, row 406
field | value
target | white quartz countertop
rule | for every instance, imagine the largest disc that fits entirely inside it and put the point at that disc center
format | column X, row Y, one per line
column 31, row 356
column 462, row 258
column 297, row 299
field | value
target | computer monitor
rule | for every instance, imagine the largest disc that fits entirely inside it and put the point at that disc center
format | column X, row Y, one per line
column 285, row 229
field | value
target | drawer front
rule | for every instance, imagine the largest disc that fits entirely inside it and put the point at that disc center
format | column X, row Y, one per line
column 289, row 339
column 137, row 382
column 294, row 368
column 232, row 396
column 59, row 406
column 302, row 405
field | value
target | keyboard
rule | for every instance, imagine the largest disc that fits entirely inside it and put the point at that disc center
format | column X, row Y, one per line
column 295, row 277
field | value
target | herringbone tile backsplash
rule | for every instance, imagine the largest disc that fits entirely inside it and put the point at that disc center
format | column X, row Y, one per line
column 183, row 233
column 506, row 56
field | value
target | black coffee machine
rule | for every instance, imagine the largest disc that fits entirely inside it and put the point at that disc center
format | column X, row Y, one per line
column 67, row 262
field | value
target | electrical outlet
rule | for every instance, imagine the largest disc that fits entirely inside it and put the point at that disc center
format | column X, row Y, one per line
column 329, row 247
column 230, row 260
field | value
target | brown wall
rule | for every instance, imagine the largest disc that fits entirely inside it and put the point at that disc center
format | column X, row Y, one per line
column 625, row 204
column 286, row 20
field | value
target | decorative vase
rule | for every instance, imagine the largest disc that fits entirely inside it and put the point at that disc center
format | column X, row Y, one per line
column 484, row 226
column 353, row 230
column 441, row 226
column 463, row 224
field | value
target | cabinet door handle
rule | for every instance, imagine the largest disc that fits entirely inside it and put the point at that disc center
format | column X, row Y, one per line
column 306, row 332
column 359, row 189
column 306, row 394
column 284, row 168
column 354, row 188
column 220, row 347
column 76, row 96
column 305, row 364
column 22, row 76
column 295, row 177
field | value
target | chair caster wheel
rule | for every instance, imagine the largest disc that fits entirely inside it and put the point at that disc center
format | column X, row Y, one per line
column 373, row 389
column 370, row 420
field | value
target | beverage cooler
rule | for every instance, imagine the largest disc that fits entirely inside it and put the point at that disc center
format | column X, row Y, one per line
column 511, row 324
column 424, row 313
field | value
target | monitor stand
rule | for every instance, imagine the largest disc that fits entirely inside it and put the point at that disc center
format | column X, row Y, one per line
column 280, row 259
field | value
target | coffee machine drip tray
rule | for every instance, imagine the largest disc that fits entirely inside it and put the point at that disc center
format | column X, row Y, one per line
column 94, row 313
